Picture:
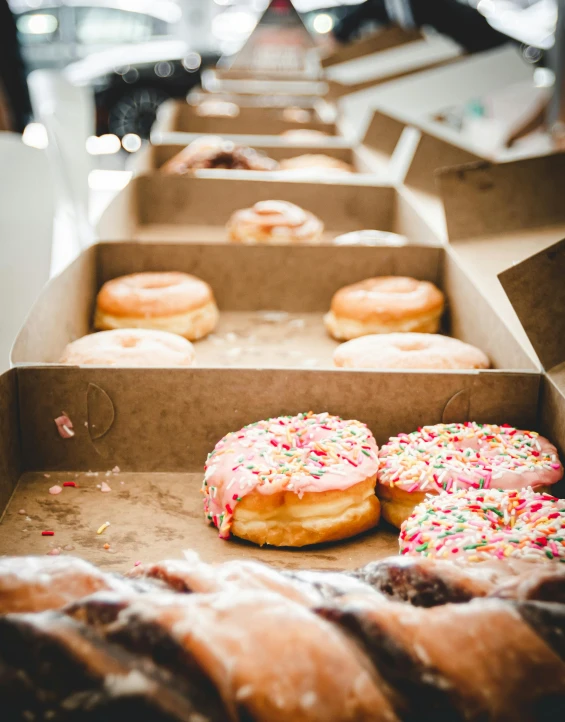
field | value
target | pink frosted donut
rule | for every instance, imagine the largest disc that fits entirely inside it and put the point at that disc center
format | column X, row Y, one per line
column 293, row 480
column 461, row 456
column 476, row 525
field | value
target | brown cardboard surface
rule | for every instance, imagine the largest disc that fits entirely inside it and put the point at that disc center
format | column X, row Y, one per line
column 179, row 116
column 152, row 516
column 9, row 437
column 390, row 37
column 154, row 207
column 536, row 290
column 272, row 300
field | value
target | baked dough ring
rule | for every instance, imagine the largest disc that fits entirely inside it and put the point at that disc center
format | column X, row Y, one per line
column 293, row 481
column 175, row 302
column 217, row 153
column 129, row 347
column 386, row 304
column 477, row 525
column 408, row 351
column 460, row 456
column 317, row 163
column 277, row 222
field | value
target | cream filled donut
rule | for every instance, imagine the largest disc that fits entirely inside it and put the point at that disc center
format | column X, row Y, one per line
column 277, row 222
column 408, row 351
column 475, row 525
column 129, row 347
column 175, row 302
column 449, row 457
column 317, row 163
column 387, row 304
column 293, row 480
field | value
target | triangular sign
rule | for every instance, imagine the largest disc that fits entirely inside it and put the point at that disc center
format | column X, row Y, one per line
column 280, row 42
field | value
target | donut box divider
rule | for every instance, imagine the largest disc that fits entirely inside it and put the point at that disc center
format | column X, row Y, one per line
column 180, row 117
column 155, row 207
column 374, row 154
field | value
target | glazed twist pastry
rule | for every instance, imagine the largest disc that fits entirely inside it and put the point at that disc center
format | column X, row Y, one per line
column 153, row 654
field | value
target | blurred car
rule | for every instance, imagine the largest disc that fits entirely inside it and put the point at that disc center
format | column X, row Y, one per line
column 53, row 33
column 131, row 82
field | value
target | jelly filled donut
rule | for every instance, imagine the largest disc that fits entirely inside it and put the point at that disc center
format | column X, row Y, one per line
column 293, row 480
column 276, row 222
column 475, row 525
column 448, row 457
column 175, row 302
column 408, row 351
column 387, row 304
column 129, row 347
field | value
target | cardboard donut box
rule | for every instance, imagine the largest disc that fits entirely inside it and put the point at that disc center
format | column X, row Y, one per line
column 146, row 432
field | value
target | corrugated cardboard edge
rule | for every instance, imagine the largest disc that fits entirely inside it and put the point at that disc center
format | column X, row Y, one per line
column 536, row 289
column 390, row 37
column 521, row 201
column 10, row 446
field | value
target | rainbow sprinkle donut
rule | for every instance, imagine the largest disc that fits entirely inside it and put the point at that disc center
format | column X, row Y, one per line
column 479, row 524
column 293, row 480
column 448, row 457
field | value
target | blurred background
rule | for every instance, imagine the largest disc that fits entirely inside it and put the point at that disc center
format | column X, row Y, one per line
column 83, row 82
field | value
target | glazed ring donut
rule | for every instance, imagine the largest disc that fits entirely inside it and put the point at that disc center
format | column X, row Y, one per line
column 293, row 480
column 129, row 347
column 387, row 304
column 408, row 351
column 175, row 302
column 316, row 162
column 476, row 525
column 448, row 457
column 217, row 109
column 277, row 222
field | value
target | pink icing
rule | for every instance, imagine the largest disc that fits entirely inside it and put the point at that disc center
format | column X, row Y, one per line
column 303, row 453
column 447, row 457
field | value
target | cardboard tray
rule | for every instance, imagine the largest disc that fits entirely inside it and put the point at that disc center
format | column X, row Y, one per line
column 375, row 154
column 153, row 207
column 158, row 425
column 179, row 116
column 271, row 300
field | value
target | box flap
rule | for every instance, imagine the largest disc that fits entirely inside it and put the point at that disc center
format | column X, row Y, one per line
column 484, row 199
column 383, row 133
column 390, row 37
column 536, row 289
column 279, row 42
column 9, row 437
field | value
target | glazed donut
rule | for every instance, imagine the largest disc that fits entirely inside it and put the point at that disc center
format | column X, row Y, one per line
column 408, row 351
column 293, row 480
column 461, row 456
column 370, row 238
column 175, row 302
column 214, row 154
column 217, row 109
column 129, row 347
column 316, row 162
column 304, row 135
column 476, row 525
column 277, row 222
column 386, row 304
